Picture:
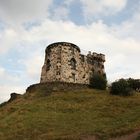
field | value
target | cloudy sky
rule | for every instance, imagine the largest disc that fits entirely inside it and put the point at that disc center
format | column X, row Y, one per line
column 111, row 27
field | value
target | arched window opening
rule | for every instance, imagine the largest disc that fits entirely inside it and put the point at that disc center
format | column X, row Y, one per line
column 73, row 64
column 48, row 65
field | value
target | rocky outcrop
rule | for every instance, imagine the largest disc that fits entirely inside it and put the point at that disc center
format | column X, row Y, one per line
column 14, row 96
column 49, row 87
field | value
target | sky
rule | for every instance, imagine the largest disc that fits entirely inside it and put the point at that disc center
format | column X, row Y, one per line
column 27, row 27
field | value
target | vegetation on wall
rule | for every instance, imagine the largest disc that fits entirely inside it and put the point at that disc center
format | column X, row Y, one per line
column 98, row 81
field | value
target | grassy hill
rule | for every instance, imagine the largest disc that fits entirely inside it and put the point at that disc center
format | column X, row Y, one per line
column 69, row 115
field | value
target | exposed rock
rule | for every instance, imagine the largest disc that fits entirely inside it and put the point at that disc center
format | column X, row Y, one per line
column 14, row 96
column 49, row 87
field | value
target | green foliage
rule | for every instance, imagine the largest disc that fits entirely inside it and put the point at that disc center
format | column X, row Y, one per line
column 134, row 83
column 121, row 87
column 98, row 81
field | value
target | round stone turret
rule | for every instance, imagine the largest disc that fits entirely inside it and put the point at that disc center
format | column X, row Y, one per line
column 61, row 62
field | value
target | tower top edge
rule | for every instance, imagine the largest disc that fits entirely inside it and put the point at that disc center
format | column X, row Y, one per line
column 55, row 44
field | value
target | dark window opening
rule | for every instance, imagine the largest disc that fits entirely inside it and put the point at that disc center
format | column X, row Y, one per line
column 73, row 77
column 84, row 76
column 57, row 67
column 73, row 64
column 99, row 72
column 48, row 65
column 102, row 66
column 93, row 71
column 57, row 73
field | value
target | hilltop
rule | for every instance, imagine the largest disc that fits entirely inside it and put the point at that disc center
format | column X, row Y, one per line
column 68, row 115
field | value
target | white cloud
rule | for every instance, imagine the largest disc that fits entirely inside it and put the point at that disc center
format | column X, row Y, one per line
column 18, row 11
column 2, row 71
column 33, row 65
column 129, row 28
column 8, row 78
column 60, row 13
column 68, row 2
column 8, row 39
column 102, row 7
column 9, row 83
column 6, row 90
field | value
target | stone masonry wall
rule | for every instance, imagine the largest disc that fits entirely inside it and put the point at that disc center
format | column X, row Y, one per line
column 64, row 63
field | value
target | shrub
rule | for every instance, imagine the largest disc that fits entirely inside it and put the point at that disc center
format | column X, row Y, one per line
column 98, row 81
column 121, row 87
column 134, row 83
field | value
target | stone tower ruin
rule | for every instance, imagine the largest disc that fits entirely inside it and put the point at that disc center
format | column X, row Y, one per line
column 64, row 63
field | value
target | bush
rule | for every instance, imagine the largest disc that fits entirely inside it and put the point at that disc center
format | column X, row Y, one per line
column 134, row 83
column 121, row 87
column 98, row 81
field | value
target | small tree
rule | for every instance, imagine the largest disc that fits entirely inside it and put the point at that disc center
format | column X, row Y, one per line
column 121, row 87
column 98, row 81
column 134, row 83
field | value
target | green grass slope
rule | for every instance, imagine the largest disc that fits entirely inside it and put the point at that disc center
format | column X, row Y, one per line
column 70, row 115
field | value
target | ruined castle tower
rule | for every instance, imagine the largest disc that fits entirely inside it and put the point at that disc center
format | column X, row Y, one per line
column 64, row 63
